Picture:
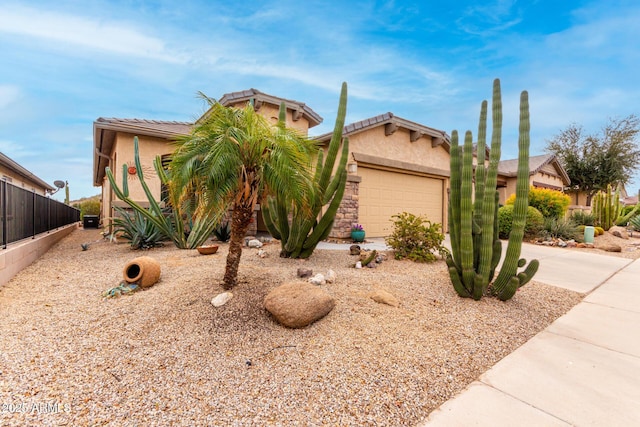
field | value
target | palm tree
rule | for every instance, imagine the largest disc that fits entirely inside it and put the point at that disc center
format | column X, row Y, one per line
column 234, row 157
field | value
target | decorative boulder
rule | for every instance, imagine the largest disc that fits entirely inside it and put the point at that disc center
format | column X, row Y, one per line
column 384, row 297
column 611, row 247
column 354, row 249
column 298, row 304
column 619, row 232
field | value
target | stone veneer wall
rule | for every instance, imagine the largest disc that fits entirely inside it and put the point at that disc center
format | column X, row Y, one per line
column 348, row 211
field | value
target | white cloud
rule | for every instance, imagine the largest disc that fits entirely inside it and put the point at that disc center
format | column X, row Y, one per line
column 114, row 37
column 8, row 95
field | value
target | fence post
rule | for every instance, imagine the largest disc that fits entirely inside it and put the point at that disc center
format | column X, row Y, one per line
column 33, row 219
column 3, row 185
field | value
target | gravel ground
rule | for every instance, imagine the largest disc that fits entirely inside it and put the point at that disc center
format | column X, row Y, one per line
column 166, row 356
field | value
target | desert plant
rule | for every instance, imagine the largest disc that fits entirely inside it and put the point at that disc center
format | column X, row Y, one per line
column 560, row 228
column 137, row 229
column 550, row 203
column 473, row 225
column 223, row 231
column 235, row 157
column 635, row 223
column 534, row 222
column 416, row 238
column 582, row 218
column 607, row 209
column 300, row 228
column 171, row 224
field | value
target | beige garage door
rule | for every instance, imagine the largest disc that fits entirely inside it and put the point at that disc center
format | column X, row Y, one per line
column 384, row 193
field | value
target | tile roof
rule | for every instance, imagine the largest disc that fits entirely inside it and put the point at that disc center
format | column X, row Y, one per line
column 244, row 95
column 536, row 163
column 148, row 127
column 384, row 119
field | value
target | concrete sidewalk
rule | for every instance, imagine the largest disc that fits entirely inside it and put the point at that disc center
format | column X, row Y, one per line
column 582, row 370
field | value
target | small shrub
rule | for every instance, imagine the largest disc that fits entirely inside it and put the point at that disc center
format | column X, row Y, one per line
column 550, row 203
column 223, row 232
column 564, row 229
column 582, row 218
column 635, row 223
column 416, row 238
column 137, row 229
column 534, row 222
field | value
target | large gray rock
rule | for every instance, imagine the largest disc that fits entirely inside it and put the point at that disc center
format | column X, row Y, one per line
column 298, row 304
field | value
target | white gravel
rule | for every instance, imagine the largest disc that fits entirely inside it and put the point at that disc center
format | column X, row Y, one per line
column 166, row 356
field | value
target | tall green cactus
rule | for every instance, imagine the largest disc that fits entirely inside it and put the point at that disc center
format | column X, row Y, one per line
column 301, row 228
column 475, row 247
column 607, row 209
column 171, row 225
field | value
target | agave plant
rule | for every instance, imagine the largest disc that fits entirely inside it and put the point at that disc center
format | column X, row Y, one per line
column 137, row 229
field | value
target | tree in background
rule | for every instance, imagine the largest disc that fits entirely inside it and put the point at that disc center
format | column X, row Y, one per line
column 595, row 161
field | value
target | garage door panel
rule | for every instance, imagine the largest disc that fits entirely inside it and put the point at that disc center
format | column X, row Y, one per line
column 385, row 193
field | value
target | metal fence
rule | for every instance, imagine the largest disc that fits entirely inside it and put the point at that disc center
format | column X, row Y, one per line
column 25, row 214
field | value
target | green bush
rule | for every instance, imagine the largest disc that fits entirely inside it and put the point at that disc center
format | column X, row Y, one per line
column 561, row 228
column 582, row 218
column 635, row 222
column 89, row 207
column 534, row 223
column 137, row 229
column 416, row 238
column 550, row 203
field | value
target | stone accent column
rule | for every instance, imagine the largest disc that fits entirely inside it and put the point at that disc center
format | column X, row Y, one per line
column 348, row 210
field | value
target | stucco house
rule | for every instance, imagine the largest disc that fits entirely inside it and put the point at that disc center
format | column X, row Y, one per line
column 545, row 171
column 395, row 165
column 113, row 143
column 12, row 172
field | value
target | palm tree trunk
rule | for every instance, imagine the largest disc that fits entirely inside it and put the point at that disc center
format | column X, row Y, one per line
column 240, row 220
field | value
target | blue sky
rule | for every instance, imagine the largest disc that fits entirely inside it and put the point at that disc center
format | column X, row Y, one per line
column 66, row 63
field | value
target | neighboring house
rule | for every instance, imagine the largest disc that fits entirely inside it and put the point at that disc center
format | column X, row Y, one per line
column 17, row 175
column 545, row 171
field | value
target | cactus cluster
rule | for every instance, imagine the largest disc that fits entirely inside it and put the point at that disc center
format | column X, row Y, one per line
column 170, row 224
column 607, row 209
column 475, row 246
column 301, row 228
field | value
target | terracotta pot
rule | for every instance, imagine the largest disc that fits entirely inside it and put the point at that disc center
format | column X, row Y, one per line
column 208, row 250
column 144, row 270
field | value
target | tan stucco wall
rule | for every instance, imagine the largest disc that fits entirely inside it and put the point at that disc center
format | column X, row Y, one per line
column 20, row 181
column 21, row 254
column 149, row 148
column 398, row 146
column 272, row 112
column 545, row 178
